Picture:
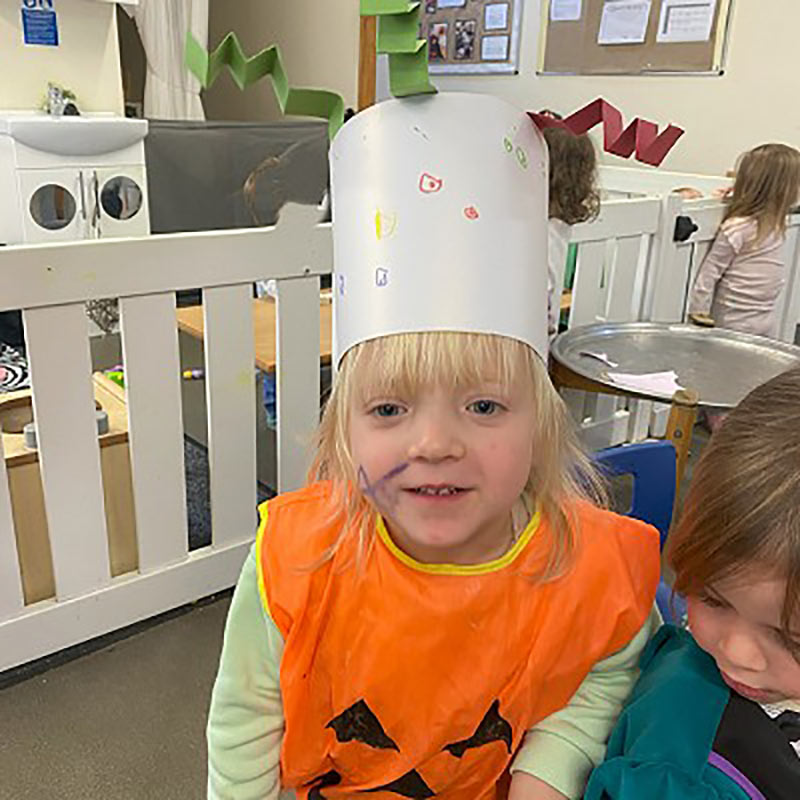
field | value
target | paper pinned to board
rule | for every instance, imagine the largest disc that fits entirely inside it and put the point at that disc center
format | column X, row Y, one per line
column 624, row 22
column 651, row 383
column 565, row 10
column 684, row 21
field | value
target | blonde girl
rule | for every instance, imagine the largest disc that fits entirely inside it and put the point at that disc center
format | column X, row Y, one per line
column 443, row 604
column 740, row 280
column 442, row 611
column 715, row 713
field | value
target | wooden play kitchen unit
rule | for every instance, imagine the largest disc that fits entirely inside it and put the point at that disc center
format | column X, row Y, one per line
column 27, row 497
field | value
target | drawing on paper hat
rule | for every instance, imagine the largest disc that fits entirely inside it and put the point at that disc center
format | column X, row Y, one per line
column 440, row 220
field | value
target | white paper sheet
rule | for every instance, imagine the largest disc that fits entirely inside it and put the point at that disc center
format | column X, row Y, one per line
column 494, row 48
column 452, row 3
column 686, row 20
column 624, row 22
column 496, row 17
column 565, row 10
column 664, row 384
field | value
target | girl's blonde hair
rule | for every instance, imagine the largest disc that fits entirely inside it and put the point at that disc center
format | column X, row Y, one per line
column 767, row 185
column 743, row 506
column 403, row 364
column 574, row 196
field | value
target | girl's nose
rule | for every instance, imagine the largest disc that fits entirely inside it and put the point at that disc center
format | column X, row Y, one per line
column 436, row 437
column 741, row 650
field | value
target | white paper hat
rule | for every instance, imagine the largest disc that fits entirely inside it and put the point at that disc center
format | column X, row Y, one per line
column 439, row 221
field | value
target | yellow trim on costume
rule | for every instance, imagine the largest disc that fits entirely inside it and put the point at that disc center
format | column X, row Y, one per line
column 461, row 569
column 263, row 510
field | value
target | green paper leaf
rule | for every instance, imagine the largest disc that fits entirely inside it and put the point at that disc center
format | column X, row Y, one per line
column 245, row 71
column 398, row 28
column 377, row 8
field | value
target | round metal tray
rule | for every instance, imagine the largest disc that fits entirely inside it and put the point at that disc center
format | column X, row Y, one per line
column 721, row 365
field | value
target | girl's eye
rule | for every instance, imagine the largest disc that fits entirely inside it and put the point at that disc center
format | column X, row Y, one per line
column 385, row 410
column 709, row 600
column 485, row 408
column 792, row 645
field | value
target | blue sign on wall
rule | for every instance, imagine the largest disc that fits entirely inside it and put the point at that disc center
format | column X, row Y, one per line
column 39, row 24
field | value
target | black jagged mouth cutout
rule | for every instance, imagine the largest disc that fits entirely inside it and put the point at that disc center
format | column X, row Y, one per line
column 493, row 728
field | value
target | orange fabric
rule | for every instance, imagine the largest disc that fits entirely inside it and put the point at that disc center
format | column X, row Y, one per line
column 426, row 683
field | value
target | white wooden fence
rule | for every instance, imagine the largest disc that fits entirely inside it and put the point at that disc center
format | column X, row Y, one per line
column 629, row 268
column 50, row 283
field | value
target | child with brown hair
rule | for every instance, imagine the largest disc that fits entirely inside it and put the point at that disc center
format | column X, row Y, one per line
column 573, row 197
column 740, row 280
column 715, row 712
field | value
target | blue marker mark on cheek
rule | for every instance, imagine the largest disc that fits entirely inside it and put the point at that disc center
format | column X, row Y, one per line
column 382, row 493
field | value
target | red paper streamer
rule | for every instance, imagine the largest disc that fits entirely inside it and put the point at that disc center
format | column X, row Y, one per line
column 640, row 137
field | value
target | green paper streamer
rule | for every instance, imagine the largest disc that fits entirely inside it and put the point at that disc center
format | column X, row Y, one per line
column 398, row 27
column 206, row 67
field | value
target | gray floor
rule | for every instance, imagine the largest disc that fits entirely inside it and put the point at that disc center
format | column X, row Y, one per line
column 125, row 722
column 122, row 723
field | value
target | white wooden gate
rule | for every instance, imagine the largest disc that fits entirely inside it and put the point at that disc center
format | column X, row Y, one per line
column 614, row 253
column 51, row 283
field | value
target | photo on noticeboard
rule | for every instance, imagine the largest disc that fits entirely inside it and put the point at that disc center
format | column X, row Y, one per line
column 464, row 35
column 437, row 41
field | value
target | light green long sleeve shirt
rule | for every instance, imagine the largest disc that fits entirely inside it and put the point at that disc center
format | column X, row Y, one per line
column 245, row 723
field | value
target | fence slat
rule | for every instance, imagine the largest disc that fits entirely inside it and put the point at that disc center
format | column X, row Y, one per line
column 63, row 407
column 155, row 427
column 230, row 397
column 586, row 290
column 619, row 218
column 11, row 597
column 298, row 378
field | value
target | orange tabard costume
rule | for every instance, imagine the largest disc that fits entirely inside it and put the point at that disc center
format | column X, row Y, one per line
column 404, row 679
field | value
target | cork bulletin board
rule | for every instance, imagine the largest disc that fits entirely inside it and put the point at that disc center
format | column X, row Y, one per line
column 581, row 37
column 472, row 36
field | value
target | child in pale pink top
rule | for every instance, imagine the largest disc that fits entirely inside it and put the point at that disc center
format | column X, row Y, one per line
column 739, row 282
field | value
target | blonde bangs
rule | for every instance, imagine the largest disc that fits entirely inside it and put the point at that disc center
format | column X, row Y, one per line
column 406, row 363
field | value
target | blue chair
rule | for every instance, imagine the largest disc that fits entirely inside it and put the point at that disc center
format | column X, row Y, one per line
column 652, row 465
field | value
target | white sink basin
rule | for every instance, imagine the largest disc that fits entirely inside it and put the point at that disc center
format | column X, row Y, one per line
column 74, row 136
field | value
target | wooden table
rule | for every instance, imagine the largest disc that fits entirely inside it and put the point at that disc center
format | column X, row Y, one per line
column 682, row 415
column 190, row 320
column 721, row 366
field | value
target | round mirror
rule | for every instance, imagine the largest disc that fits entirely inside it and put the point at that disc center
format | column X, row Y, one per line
column 52, row 206
column 121, row 197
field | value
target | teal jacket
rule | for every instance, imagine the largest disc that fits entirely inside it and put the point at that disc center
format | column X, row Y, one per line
column 668, row 745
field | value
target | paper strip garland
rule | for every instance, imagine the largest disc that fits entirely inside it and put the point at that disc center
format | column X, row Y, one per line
column 640, row 137
column 245, row 70
column 398, row 28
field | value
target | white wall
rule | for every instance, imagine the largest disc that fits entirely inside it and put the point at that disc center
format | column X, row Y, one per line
column 754, row 101
column 86, row 60
column 318, row 41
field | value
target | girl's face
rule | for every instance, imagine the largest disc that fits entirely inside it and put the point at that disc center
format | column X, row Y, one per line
column 446, row 465
column 738, row 623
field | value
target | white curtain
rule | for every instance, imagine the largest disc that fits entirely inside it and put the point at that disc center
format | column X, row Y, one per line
column 170, row 91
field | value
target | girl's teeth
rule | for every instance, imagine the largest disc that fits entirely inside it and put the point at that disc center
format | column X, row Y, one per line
column 429, row 490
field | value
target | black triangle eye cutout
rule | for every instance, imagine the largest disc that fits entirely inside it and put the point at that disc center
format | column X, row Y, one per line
column 493, row 728
column 359, row 724
column 331, row 778
column 410, row 785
